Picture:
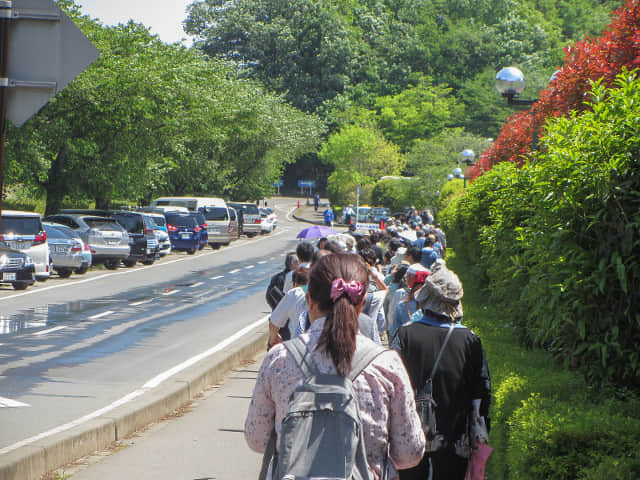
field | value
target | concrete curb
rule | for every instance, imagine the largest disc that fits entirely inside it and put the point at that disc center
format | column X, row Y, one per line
column 32, row 461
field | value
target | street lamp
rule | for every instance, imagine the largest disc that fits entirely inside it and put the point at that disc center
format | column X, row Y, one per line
column 510, row 84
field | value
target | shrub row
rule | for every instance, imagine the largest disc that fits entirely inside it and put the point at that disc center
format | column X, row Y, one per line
column 546, row 421
column 558, row 240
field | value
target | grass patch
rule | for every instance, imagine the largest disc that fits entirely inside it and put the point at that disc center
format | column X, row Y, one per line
column 547, row 422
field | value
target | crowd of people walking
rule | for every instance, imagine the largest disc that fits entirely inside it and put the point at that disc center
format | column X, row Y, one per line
column 378, row 317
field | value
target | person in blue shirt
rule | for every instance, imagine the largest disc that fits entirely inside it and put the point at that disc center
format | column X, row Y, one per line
column 328, row 217
column 419, row 241
column 429, row 255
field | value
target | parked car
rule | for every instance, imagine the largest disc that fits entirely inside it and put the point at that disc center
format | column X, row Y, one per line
column 107, row 239
column 184, row 232
column 162, row 236
column 363, row 214
column 251, row 220
column 202, row 223
column 16, row 268
column 269, row 220
column 87, row 256
column 23, row 231
column 66, row 250
column 377, row 214
column 222, row 225
column 142, row 239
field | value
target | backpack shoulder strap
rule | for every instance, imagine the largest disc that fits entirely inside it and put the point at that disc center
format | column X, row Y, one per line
column 444, row 344
column 364, row 357
column 302, row 356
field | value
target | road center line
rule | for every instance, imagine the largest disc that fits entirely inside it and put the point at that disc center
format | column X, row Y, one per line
column 155, row 381
column 8, row 403
column 262, row 262
column 142, row 302
column 235, row 271
column 249, row 267
column 170, row 292
column 100, row 315
column 50, row 330
column 216, row 278
column 197, row 284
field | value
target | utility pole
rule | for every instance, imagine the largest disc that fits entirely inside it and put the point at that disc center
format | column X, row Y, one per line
column 5, row 19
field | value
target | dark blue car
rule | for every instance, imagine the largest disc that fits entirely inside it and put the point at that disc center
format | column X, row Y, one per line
column 202, row 223
column 184, row 232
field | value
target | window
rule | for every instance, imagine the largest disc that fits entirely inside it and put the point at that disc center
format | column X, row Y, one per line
column 21, row 225
column 216, row 213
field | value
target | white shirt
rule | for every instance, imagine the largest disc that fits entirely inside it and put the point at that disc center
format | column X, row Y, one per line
column 291, row 308
column 288, row 279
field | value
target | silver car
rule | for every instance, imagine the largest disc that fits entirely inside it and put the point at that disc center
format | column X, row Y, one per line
column 161, row 234
column 107, row 239
column 65, row 251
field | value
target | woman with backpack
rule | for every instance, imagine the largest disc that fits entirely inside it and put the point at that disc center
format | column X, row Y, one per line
column 333, row 354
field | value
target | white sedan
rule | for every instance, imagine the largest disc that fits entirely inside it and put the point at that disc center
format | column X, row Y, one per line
column 268, row 220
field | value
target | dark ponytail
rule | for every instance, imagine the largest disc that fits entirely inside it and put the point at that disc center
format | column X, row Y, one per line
column 338, row 337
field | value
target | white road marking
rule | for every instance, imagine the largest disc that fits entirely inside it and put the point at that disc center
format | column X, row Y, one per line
column 170, row 292
column 249, row 267
column 235, row 271
column 100, row 315
column 154, row 382
column 197, row 284
column 142, row 302
column 216, row 278
column 262, row 262
column 8, row 403
column 36, row 291
column 50, row 330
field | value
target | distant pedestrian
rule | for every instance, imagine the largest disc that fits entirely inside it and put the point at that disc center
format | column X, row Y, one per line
column 429, row 255
column 349, row 212
column 276, row 290
column 328, row 216
column 316, row 201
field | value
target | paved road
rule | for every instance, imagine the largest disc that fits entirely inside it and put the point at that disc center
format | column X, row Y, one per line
column 71, row 348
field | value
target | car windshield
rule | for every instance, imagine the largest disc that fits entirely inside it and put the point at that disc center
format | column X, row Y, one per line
column 159, row 220
column 199, row 218
column 131, row 223
column 250, row 209
column 182, row 221
column 216, row 213
column 102, row 223
column 53, row 232
column 21, row 225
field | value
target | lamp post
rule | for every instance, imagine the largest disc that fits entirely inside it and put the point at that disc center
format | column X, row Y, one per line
column 510, row 84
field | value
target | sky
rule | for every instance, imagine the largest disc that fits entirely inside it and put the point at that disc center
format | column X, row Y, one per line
column 164, row 17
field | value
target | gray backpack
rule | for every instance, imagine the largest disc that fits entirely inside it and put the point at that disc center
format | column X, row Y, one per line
column 321, row 436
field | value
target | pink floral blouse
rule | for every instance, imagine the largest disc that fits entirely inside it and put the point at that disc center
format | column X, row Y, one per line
column 386, row 400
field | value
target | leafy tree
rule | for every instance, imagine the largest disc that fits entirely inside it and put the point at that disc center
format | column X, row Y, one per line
column 360, row 156
column 601, row 58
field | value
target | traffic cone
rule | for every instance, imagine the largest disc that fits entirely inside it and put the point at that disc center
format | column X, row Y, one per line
column 298, row 203
column 382, row 225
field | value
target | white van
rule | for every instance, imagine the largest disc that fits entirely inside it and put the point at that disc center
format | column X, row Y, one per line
column 192, row 203
column 221, row 229
column 23, row 231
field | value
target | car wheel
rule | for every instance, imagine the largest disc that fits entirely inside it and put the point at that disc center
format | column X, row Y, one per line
column 129, row 263
column 111, row 263
column 20, row 285
column 215, row 246
column 64, row 272
column 83, row 269
column 191, row 251
column 251, row 235
column 148, row 261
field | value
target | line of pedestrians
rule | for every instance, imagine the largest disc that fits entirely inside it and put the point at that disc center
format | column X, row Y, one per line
column 423, row 403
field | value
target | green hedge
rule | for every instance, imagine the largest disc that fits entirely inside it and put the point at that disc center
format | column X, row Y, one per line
column 547, row 423
column 558, row 240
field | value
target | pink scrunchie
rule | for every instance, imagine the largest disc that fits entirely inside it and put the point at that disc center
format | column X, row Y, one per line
column 353, row 289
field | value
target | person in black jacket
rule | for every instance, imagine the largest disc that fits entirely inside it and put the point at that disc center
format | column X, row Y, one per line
column 461, row 382
column 275, row 290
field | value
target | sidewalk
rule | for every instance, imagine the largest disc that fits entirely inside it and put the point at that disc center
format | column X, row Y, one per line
column 201, row 442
